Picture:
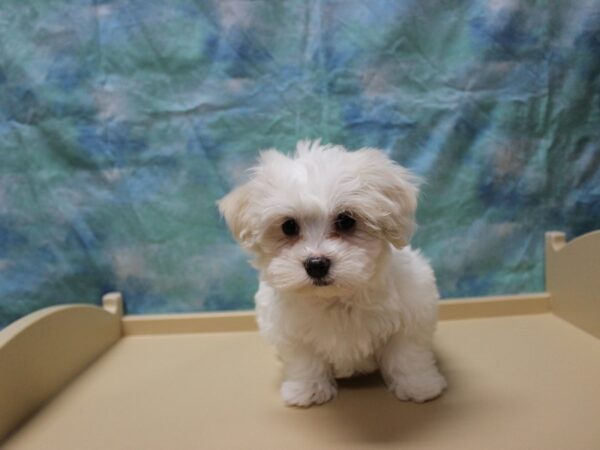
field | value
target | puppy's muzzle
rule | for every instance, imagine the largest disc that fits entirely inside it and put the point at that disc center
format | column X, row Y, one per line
column 317, row 267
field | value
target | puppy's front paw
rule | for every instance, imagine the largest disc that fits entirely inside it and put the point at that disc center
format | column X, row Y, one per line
column 307, row 392
column 418, row 387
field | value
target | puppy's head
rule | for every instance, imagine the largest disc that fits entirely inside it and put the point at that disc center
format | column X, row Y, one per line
column 321, row 222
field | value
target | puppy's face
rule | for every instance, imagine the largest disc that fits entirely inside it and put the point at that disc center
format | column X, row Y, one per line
column 321, row 222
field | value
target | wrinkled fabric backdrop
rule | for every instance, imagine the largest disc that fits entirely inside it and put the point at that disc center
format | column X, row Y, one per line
column 122, row 122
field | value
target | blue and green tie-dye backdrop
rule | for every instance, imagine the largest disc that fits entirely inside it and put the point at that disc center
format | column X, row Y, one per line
column 121, row 123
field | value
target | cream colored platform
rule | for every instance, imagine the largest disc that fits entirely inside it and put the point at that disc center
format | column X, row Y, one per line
column 523, row 378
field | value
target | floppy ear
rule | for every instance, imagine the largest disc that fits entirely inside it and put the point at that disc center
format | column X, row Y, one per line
column 235, row 209
column 402, row 191
column 393, row 192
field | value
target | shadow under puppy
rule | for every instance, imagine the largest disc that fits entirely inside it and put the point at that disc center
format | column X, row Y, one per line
column 341, row 291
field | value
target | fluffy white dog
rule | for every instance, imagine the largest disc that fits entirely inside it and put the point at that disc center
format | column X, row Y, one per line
column 341, row 291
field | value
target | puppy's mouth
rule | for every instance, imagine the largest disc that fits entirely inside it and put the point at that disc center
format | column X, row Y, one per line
column 322, row 282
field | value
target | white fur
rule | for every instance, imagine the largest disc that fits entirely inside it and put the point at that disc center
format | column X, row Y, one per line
column 379, row 310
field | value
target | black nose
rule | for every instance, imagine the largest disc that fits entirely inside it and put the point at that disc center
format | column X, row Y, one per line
column 317, row 266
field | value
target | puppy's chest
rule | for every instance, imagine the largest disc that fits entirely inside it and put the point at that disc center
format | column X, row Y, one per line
column 345, row 336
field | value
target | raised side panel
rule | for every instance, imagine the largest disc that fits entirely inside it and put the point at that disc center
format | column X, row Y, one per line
column 221, row 322
column 452, row 309
column 494, row 306
column 573, row 279
column 42, row 352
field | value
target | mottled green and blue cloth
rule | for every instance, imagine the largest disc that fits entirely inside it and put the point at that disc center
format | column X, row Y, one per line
column 122, row 122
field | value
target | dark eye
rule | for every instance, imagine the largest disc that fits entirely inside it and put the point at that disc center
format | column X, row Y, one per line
column 290, row 227
column 344, row 222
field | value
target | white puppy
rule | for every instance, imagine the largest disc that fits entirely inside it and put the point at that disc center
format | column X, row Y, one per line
column 341, row 292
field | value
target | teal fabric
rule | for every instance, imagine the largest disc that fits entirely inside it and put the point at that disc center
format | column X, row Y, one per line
column 122, row 122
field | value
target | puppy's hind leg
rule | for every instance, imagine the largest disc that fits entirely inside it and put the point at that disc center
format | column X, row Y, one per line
column 409, row 369
column 307, row 378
